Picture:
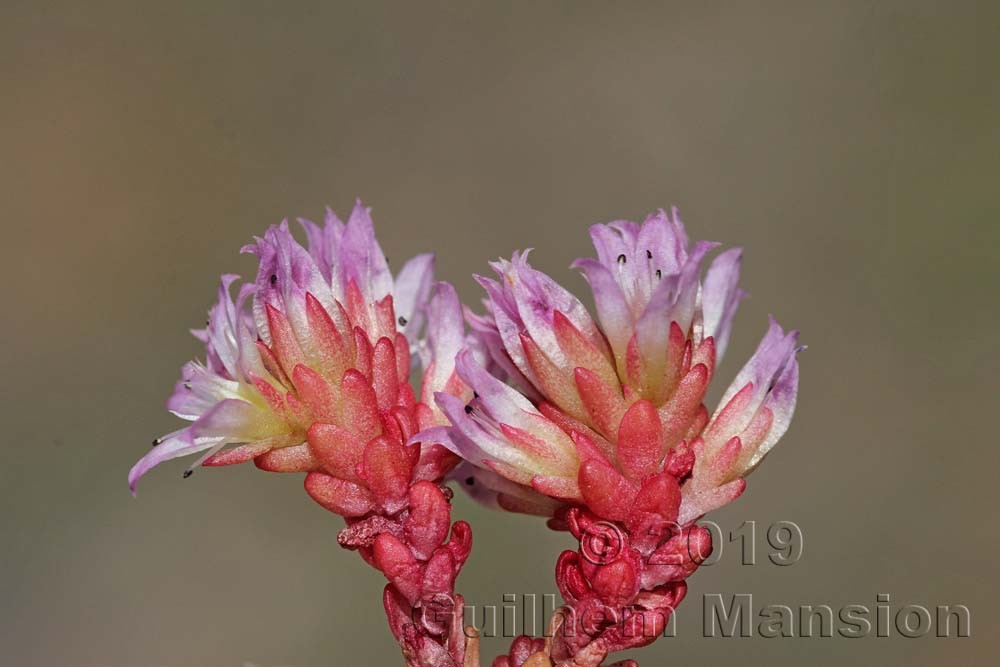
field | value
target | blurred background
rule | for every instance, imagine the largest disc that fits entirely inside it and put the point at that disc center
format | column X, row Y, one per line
column 851, row 147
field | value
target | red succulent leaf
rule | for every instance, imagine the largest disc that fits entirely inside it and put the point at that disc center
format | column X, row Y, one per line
column 386, row 467
column 426, row 526
column 581, row 350
column 385, row 315
column 682, row 408
column 326, row 337
column 297, row 458
column 434, row 461
column 679, row 460
column 616, row 583
column 725, row 422
column 569, row 578
column 338, row 450
column 697, row 424
column 360, row 405
column 439, row 573
column 660, row 494
column 604, row 404
column 605, row 490
column 272, row 395
column 640, row 447
column 385, row 377
column 552, row 379
column 238, row 454
column 316, row 393
column 271, row 364
column 556, row 487
column 339, row 495
column 363, row 354
column 283, row 340
column 460, row 542
column 398, row 564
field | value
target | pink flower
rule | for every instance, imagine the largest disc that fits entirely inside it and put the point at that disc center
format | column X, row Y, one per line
column 601, row 407
column 314, row 376
column 601, row 424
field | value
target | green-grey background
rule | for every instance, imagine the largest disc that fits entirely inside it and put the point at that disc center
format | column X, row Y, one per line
column 852, row 148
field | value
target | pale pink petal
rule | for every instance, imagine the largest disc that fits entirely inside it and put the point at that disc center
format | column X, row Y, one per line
column 721, row 296
column 180, row 444
column 445, row 338
column 781, row 401
column 361, row 258
column 411, row 291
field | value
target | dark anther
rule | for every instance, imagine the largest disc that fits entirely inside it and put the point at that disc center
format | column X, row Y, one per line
column 156, row 441
column 468, row 409
column 475, row 394
column 187, row 473
column 402, row 321
column 274, row 278
column 649, row 254
column 659, row 274
column 621, row 258
column 470, row 480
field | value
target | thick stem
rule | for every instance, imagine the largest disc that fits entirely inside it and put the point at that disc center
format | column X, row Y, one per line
column 421, row 553
column 620, row 587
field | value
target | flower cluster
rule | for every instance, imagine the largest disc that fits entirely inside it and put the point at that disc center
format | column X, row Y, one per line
column 606, row 418
column 597, row 424
column 314, row 377
column 597, row 409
